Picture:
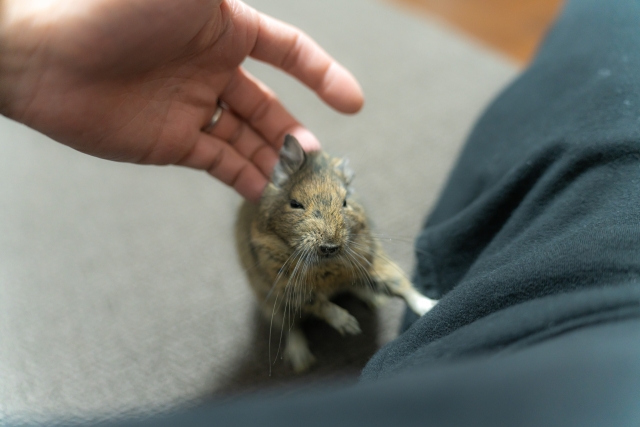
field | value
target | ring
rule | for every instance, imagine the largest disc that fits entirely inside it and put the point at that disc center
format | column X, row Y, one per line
column 215, row 119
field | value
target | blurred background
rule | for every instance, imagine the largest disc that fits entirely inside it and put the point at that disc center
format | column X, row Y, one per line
column 514, row 28
column 120, row 291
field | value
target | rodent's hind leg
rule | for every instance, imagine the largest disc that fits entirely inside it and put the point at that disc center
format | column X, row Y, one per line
column 392, row 279
column 368, row 296
column 297, row 351
column 334, row 315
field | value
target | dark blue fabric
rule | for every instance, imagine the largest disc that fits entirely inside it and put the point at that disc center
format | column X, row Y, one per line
column 587, row 378
column 544, row 199
column 534, row 250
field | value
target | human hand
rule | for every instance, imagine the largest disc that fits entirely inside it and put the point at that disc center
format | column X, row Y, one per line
column 139, row 80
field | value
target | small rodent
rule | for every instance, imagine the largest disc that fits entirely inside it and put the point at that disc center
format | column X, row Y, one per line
column 309, row 239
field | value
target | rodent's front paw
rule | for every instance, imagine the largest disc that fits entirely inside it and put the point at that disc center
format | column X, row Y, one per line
column 345, row 323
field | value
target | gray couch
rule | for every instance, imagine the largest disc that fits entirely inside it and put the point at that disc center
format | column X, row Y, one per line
column 120, row 291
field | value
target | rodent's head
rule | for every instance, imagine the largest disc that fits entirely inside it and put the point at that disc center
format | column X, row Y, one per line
column 307, row 204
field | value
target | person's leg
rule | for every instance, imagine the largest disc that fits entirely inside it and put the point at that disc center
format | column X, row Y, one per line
column 588, row 378
column 544, row 197
column 534, row 248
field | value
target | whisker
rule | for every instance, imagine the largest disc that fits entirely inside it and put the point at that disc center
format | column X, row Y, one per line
column 295, row 280
column 399, row 239
column 287, row 294
column 363, row 271
column 348, row 263
column 304, row 280
column 271, row 329
column 389, row 261
column 298, row 282
column 282, row 269
column 292, row 284
column 361, row 256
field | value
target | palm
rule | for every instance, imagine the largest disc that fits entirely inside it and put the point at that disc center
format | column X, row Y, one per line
column 130, row 111
column 137, row 80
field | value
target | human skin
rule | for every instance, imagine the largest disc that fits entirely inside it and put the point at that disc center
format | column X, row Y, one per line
column 139, row 80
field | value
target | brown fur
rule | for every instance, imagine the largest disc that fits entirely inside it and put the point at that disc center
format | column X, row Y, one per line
column 281, row 248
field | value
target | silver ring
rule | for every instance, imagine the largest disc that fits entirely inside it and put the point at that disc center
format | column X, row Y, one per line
column 215, row 119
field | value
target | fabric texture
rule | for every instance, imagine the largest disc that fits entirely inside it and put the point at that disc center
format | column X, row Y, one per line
column 538, row 229
column 120, row 289
column 588, row 378
column 534, row 250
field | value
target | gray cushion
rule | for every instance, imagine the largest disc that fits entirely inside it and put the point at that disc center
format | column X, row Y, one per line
column 120, row 290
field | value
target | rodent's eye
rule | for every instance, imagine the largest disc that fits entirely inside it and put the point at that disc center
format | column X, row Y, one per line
column 344, row 203
column 295, row 204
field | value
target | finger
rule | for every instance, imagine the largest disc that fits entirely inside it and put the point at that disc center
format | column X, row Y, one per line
column 223, row 162
column 288, row 48
column 246, row 142
column 256, row 104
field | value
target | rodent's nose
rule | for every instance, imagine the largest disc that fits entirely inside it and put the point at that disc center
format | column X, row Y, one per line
column 329, row 249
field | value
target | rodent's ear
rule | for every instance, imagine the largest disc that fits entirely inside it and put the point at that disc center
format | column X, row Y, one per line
column 343, row 169
column 292, row 157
